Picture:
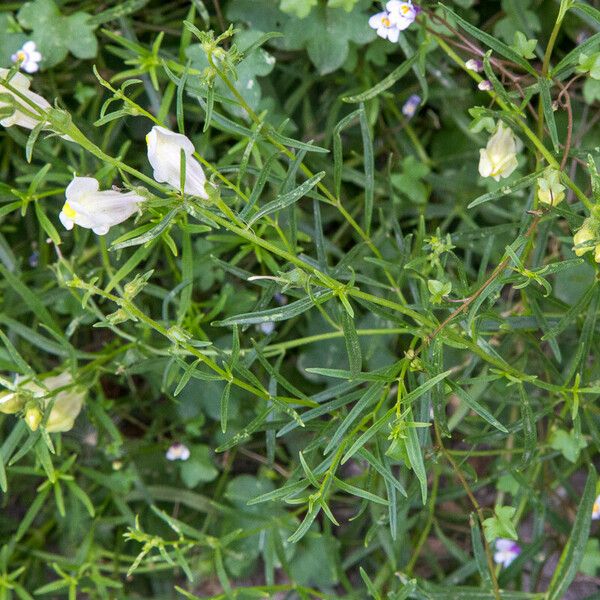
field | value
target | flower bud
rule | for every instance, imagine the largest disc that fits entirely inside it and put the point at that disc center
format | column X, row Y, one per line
column 33, row 416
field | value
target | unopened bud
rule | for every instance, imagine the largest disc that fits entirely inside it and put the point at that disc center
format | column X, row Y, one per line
column 33, row 417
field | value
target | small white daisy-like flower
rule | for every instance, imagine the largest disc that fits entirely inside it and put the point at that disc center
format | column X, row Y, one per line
column 485, row 85
column 177, row 451
column 474, row 65
column 28, row 57
column 506, row 551
column 411, row 105
column 596, row 510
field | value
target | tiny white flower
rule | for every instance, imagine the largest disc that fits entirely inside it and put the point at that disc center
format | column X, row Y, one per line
column 485, row 85
column 20, row 83
column 596, row 509
column 177, row 451
column 97, row 210
column 384, row 26
column 28, row 57
column 164, row 154
column 403, row 14
column 474, row 65
column 499, row 158
column 506, row 551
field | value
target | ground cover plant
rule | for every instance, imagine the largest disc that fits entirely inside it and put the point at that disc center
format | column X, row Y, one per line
column 299, row 299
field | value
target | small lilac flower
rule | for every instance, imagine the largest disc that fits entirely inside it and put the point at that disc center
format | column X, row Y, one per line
column 28, row 56
column 280, row 299
column 384, row 26
column 474, row 65
column 178, row 451
column 485, row 85
column 397, row 17
column 596, row 509
column 267, row 328
column 411, row 105
column 403, row 14
column 506, row 551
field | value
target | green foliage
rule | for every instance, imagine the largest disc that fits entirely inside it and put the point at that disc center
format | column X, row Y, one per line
column 56, row 34
column 379, row 360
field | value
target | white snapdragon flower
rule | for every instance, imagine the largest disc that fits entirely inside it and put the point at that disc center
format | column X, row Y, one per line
column 28, row 57
column 499, row 158
column 97, row 210
column 164, row 154
column 67, row 403
column 20, row 83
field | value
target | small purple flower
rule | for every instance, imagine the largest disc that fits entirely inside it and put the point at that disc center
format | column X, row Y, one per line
column 177, row 451
column 474, row 65
column 411, row 105
column 485, row 85
column 280, row 299
column 506, row 551
column 267, row 328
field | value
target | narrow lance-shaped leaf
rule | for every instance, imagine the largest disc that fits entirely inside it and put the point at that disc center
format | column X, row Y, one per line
column 548, row 112
column 369, row 166
column 573, row 552
column 386, row 83
column 281, row 313
column 287, row 199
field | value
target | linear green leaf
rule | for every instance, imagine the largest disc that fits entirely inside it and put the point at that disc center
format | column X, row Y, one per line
column 386, row 83
column 573, row 552
column 286, row 199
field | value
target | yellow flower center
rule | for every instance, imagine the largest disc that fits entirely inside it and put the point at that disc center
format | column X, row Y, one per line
column 386, row 22
column 596, row 509
column 405, row 9
column 69, row 212
column 21, row 55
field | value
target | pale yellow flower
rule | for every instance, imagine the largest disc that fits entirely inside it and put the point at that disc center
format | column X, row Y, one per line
column 550, row 190
column 67, row 403
column 499, row 158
